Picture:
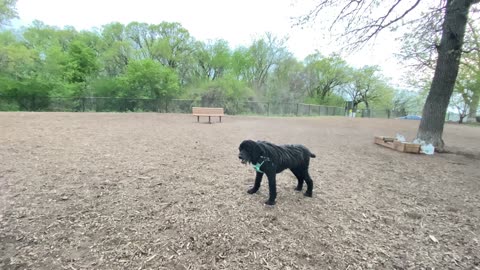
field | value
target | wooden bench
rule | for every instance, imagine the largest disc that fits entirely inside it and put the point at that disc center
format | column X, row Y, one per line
column 204, row 111
column 395, row 144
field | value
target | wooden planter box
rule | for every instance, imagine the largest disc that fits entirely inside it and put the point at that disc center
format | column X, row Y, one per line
column 394, row 144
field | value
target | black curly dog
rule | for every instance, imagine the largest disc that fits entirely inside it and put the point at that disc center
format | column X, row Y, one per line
column 271, row 159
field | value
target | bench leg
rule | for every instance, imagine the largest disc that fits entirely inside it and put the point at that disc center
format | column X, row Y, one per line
column 220, row 119
column 209, row 120
column 198, row 119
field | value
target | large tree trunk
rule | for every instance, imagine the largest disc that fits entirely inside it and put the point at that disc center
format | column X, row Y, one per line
column 472, row 113
column 446, row 70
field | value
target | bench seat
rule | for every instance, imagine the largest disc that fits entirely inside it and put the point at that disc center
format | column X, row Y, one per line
column 207, row 112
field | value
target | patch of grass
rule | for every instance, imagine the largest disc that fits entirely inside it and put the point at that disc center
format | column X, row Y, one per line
column 473, row 124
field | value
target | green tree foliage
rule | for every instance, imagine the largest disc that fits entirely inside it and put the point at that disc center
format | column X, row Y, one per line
column 81, row 62
column 460, row 102
column 287, row 82
column 467, row 93
column 468, row 83
column 163, row 61
column 256, row 63
column 368, row 88
column 167, row 43
column 214, row 59
column 324, row 75
column 408, row 102
column 108, row 87
column 242, row 61
column 50, row 46
column 7, row 11
column 116, row 50
column 149, row 79
column 226, row 91
column 18, row 79
column 263, row 55
column 16, row 60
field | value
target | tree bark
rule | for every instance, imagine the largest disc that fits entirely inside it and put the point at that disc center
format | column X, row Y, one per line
column 446, row 71
column 472, row 113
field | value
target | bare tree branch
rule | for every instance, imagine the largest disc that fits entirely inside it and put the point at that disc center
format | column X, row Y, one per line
column 356, row 14
column 471, row 50
column 367, row 32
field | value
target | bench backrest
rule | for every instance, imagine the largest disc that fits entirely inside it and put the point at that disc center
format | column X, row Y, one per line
column 205, row 110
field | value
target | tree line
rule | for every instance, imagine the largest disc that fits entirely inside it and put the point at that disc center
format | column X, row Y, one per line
column 164, row 61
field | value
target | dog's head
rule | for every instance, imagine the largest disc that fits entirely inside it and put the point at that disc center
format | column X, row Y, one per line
column 250, row 152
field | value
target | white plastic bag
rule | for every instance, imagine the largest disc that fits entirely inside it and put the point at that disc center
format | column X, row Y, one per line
column 427, row 149
column 400, row 138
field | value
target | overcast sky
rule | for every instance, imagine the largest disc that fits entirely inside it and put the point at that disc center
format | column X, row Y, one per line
column 238, row 22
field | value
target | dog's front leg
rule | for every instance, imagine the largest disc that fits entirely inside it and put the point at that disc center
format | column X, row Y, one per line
column 256, row 186
column 272, row 186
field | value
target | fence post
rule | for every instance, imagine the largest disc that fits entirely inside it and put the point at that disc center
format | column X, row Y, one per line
column 309, row 109
column 268, row 108
column 166, row 105
column 297, row 110
column 95, row 102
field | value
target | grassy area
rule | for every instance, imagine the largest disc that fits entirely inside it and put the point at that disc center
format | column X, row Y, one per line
column 474, row 124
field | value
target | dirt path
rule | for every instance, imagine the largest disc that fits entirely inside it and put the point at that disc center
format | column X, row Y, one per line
column 160, row 191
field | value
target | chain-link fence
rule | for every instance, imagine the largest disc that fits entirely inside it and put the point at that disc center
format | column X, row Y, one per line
column 109, row 104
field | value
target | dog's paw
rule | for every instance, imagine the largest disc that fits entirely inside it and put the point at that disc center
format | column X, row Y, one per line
column 308, row 194
column 268, row 202
column 251, row 191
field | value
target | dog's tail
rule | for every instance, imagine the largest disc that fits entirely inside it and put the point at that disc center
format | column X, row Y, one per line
column 312, row 155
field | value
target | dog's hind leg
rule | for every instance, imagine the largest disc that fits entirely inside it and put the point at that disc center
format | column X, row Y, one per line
column 300, row 178
column 256, row 186
column 309, row 182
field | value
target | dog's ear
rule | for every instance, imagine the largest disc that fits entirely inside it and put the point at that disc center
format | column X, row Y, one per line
column 253, row 149
column 243, row 145
column 256, row 151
